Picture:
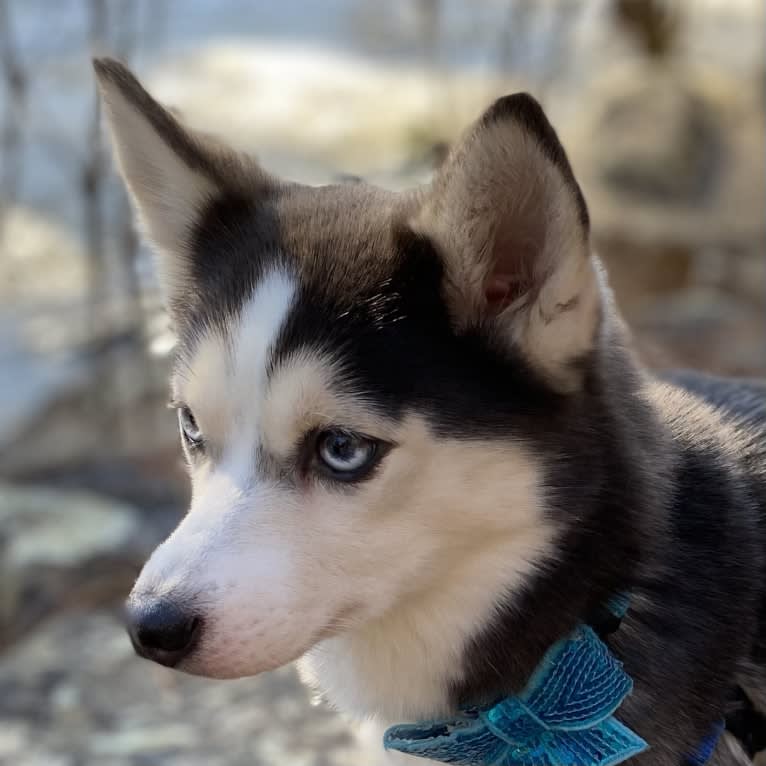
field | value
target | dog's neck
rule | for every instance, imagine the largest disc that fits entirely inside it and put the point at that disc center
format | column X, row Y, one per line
column 407, row 664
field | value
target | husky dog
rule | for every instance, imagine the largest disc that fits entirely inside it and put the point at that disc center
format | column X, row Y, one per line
column 420, row 447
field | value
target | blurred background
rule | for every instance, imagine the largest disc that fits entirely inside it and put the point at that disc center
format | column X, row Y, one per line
column 661, row 106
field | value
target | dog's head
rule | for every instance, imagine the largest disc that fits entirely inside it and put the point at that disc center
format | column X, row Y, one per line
column 365, row 381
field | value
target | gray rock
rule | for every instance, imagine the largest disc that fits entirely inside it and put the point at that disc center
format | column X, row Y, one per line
column 73, row 692
column 666, row 144
column 732, row 330
column 62, row 548
column 669, row 156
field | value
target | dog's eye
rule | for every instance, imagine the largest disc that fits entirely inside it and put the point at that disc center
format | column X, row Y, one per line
column 344, row 455
column 189, row 428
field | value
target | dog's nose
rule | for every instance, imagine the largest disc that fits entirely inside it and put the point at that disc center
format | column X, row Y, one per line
column 161, row 630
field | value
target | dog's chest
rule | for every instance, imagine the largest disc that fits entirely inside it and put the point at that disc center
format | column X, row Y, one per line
column 376, row 678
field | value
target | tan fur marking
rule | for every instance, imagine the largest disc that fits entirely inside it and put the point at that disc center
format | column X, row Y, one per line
column 447, row 572
column 205, row 374
column 305, row 392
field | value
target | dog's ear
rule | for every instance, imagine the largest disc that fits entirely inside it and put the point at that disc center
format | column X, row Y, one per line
column 171, row 172
column 511, row 222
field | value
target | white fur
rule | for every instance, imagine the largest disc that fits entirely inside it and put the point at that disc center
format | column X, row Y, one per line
column 398, row 667
column 225, row 382
column 224, row 557
column 395, row 575
column 387, row 580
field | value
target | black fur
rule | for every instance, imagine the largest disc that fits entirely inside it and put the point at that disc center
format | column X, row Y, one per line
column 657, row 488
column 653, row 493
column 177, row 138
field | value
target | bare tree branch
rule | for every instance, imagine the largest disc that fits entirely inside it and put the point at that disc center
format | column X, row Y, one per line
column 92, row 185
column 16, row 95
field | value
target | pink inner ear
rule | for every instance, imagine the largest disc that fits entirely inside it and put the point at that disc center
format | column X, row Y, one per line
column 513, row 254
column 499, row 291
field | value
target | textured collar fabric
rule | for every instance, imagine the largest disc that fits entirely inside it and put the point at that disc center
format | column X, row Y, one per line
column 564, row 717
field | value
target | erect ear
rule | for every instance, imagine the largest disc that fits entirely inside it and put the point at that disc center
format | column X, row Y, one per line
column 508, row 216
column 171, row 172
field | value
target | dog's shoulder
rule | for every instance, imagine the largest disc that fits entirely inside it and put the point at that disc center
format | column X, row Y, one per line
column 725, row 414
column 718, row 427
column 741, row 398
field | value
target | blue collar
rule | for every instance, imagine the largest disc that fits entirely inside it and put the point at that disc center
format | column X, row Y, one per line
column 564, row 716
column 705, row 749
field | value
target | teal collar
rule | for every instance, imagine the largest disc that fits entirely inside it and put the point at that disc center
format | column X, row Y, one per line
column 564, row 716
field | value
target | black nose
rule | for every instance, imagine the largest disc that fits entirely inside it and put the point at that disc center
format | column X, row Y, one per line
column 161, row 630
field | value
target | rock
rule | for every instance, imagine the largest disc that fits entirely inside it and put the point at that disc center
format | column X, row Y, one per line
column 732, row 331
column 671, row 156
column 109, row 431
column 50, row 528
column 14, row 737
column 71, row 369
column 666, row 144
column 147, row 740
column 636, row 271
column 59, row 548
column 670, row 160
column 74, row 692
column 34, row 245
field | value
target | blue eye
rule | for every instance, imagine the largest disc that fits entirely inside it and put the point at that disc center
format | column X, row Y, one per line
column 189, row 429
column 344, row 454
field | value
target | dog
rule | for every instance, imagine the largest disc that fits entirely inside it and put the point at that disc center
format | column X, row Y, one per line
column 421, row 448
